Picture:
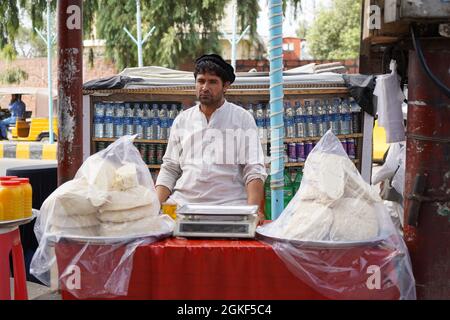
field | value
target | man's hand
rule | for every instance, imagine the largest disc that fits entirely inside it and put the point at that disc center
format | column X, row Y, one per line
column 163, row 193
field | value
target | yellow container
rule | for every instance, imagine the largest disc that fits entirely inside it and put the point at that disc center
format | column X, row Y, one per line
column 169, row 209
column 27, row 196
column 11, row 195
column 1, row 210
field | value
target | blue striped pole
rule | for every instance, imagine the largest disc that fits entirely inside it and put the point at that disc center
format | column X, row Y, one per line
column 276, row 106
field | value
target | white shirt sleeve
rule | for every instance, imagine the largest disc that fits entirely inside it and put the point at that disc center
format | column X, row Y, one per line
column 170, row 169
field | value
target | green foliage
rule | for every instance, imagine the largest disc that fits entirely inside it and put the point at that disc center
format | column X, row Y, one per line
column 13, row 75
column 184, row 28
column 335, row 33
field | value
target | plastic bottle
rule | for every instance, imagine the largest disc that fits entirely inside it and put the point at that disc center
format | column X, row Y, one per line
column 345, row 118
column 145, row 122
column 250, row 110
column 290, row 125
column 326, row 119
column 299, row 119
column 27, row 196
column 109, row 120
column 173, row 112
column 319, row 117
column 310, row 128
column 163, row 117
column 267, row 120
column 259, row 117
column 99, row 127
column 335, row 117
column 356, row 117
column 137, row 120
column 119, row 112
column 154, row 122
column 129, row 118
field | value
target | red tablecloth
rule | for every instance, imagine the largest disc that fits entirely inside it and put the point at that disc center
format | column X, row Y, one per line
column 205, row 269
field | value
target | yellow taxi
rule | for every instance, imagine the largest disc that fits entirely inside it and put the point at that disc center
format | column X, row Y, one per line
column 33, row 129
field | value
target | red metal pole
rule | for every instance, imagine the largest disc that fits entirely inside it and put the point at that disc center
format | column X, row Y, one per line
column 70, row 81
column 427, row 180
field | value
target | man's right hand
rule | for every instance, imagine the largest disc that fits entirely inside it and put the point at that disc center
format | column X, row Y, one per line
column 163, row 193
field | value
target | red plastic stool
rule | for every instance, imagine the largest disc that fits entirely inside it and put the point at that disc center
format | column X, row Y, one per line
column 10, row 241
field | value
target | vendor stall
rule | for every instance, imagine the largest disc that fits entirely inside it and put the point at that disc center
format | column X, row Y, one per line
column 333, row 241
column 145, row 101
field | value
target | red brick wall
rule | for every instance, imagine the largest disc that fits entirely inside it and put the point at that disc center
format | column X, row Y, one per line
column 37, row 77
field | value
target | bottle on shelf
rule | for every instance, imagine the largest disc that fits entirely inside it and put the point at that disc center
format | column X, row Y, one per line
column 145, row 122
column 137, row 120
column 300, row 120
column 154, row 128
column 356, row 116
column 173, row 112
column 326, row 119
column 119, row 116
column 99, row 127
column 109, row 120
column 260, row 121
column 250, row 110
column 290, row 125
column 335, row 117
column 163, row 117
column 345, row 119
column 129, row 118
column 310, row 127
column 319, row 118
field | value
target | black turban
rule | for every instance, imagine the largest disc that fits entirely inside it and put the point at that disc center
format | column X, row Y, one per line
column 215, row 58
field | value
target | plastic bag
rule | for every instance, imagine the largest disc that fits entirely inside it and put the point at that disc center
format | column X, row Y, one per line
column 96, row 221
column 336, row 234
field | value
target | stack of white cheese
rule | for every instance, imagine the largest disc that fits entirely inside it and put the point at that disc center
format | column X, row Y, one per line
column 333, row 203
column 104, row 200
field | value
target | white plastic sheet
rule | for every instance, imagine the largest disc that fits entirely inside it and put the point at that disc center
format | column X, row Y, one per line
column 96, row 221
column 336, row 234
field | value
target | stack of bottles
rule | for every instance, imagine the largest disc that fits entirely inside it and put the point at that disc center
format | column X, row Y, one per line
column 152, row 153
column 299, row 152
column 15, row 198
column 292, row 181
column 310, row 119
column 151, row 121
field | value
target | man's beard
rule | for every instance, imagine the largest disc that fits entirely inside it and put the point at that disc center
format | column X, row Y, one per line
column 209, row 100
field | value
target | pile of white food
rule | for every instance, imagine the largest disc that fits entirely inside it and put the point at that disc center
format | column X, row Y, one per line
column 334, row 203
column 104, row 201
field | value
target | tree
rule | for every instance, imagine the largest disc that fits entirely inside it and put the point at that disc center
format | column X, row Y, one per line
column 184, row 28
column 335, row 32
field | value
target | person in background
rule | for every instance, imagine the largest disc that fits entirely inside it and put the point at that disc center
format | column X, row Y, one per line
column 17, row 109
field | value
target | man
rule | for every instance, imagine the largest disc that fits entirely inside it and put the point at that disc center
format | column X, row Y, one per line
column 17, row 109
column 201, row 164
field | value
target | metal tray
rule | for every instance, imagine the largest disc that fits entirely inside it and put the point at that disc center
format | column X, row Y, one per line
column 217, row 210
column 53, row 238
column 324, row 244
column 15, row 223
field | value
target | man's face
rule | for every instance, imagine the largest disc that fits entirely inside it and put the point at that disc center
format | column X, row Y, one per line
column 210, row 89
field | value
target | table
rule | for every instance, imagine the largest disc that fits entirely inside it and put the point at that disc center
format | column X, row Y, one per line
column 177, row 268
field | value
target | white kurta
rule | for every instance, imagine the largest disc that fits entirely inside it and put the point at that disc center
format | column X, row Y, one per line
column 212, row 162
